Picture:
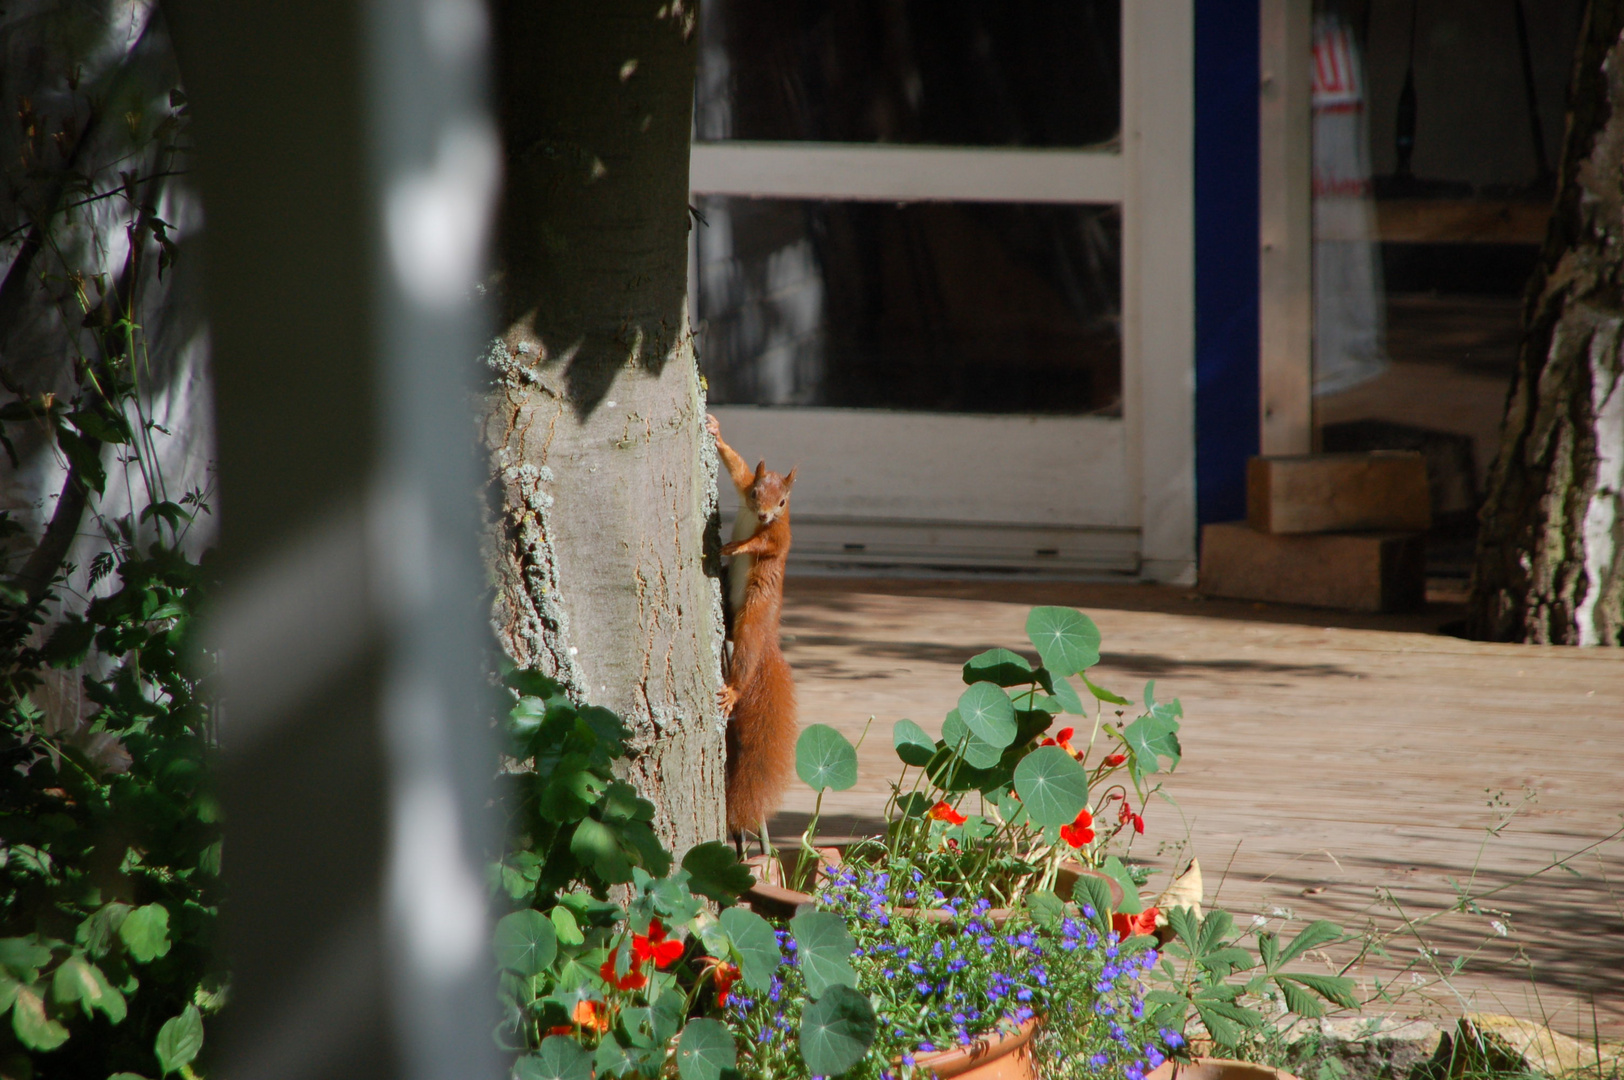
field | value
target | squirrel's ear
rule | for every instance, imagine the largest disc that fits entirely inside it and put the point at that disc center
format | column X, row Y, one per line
column 789, row 481
column 761, row 470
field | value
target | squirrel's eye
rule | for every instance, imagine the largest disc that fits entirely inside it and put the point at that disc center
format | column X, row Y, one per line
column 781, row 502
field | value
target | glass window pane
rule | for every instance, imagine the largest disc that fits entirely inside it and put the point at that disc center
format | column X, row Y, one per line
column 938, row 307
column 1036, row 73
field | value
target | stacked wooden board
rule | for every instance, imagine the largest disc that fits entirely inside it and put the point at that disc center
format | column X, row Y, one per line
column 1326, row 530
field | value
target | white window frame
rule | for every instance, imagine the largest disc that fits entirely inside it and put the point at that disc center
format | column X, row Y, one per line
column 1148, row 172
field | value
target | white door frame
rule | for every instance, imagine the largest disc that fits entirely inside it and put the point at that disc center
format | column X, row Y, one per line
column 1149, row 172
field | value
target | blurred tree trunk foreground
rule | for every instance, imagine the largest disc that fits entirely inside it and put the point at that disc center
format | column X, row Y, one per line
column 1550, row 558
column 601, row 540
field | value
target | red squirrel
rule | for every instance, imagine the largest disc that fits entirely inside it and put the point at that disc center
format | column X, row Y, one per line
column 760, row 689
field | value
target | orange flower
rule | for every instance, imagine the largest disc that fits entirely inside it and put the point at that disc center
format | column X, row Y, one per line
column 591, row 1014
column 655, row 947
column 1062, row 739
column 632, row 980
column 1080, row 831
column 943, row 812
column 1113, row 760
column 1126, row 926
column 726, row 976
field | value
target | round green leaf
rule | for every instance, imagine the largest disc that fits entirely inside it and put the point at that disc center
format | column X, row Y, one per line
column 705, row 1050
column 179, row 1040
column 755, row 944
column 525, row 942
column 34, row 1029
column 1053, row 787
column 914, row 804
column 998, row 666
column 825, row 758
column 1066, row 695
column 1067, row 640
column 714, row 870
column 960, row 740
column 987, row 712
column 558, row 1058
column 824, row 947
column 836, row 1031
column 913, row 746
column 145, row 932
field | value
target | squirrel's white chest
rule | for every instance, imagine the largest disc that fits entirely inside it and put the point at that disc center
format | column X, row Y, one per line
column 738, row 566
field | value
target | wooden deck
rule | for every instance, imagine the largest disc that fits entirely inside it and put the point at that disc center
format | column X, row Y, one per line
column 1329, row 760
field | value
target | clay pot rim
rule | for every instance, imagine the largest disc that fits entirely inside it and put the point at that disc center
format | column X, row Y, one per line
column 983, row 1048
column 1173, row 1068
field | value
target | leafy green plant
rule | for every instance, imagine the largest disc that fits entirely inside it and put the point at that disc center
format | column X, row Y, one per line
column 995, row 806
column 611, row 962
column 109, row 888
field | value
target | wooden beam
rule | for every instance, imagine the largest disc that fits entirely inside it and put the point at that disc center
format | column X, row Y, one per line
column 1285, row 226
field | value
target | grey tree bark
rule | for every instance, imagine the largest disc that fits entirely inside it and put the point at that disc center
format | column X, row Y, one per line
column 603, row 540
column 1550, row 558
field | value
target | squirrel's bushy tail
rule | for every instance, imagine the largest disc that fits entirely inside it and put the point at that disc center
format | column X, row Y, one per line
column 761, row 745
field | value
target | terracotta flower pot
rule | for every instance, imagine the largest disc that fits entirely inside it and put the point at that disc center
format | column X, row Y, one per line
column 1205, row 1068
column 999, row 1056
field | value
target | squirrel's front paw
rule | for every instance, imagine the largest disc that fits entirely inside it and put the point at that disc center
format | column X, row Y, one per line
column 726, row 698
column 712, row 426
column 731, row 548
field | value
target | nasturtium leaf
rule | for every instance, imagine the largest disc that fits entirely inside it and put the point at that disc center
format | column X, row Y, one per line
column 999, row 667
column 705, row 1050
column 825, row 759
column 756, row 946
column 558, row 1058
column 179, row 1040
column 1102, row 694
column 1151, row 738
column 914, row 804
column 34, row 1029
column 986, row 710
column 1053, row 787
column 598, row 846
column 1066, row 695
column 145, row 932
column 8, row 991
column 715, row 871
column 525, row 942
column 823, row 946
column 1067, row 640
column 960, row 740
column 612, row 1059
column 1131, row 903
column 836, row 1031
column 1030, row 723
column 913, row 746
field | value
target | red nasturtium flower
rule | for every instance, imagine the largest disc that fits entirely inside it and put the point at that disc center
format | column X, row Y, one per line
column 726, row 975
column 1113, row 760
column 1080, row 831
column 1062, row 739
column 632, row 980
column 655, row 947
column 1126, row 814
column 943, row 812
column 591, row 1014
column 1126, row 926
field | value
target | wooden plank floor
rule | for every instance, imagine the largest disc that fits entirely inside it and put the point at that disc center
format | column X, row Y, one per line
column 1329, row 759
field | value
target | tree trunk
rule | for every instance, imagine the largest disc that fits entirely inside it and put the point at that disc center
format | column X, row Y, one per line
column 1550, row 558
column 603, row 541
